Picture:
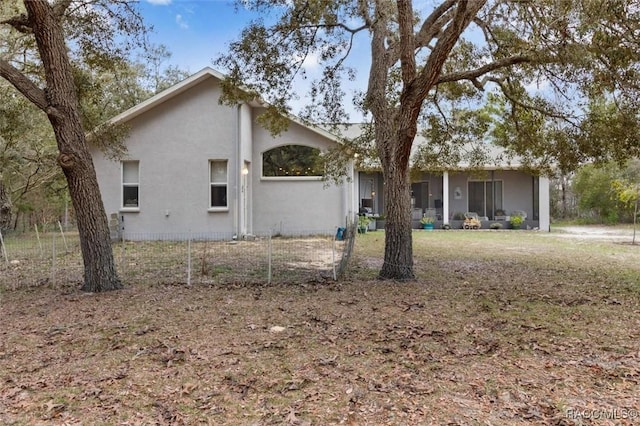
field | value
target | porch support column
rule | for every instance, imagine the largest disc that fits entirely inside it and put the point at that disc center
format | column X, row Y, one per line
column 543, row 204
column 356, row 196
column 445, row 197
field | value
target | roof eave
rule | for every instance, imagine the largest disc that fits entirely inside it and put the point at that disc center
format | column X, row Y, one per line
column 165, row 95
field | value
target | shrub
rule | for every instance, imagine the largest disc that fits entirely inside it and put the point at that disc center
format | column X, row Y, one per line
column 516, row 221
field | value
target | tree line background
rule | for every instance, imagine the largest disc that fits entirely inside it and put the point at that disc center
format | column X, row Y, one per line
column 33, row 190
column 591, row 194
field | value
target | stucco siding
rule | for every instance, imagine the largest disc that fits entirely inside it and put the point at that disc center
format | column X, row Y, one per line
column 173, row 143
column 458, row 184
column 174, row 136
column 291, row 205
column 518, row 191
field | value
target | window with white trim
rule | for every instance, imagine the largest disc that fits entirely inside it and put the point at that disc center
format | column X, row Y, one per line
column 218, row 184
column 292, row 161
column 131, row 184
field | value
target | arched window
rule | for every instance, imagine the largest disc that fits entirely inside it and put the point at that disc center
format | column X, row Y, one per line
column 292, row 161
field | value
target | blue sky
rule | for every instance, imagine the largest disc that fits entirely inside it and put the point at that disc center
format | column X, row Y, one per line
column 197, row 31
column 194, row 31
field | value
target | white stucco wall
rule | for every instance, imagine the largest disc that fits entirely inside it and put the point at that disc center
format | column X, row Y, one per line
column 518, row 191
column 292, row 205
column 174, row 142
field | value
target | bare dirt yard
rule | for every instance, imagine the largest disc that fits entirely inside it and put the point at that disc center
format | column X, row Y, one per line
column 499, row 328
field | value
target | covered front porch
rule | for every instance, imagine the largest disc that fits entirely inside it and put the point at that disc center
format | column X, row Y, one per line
column 494, row 195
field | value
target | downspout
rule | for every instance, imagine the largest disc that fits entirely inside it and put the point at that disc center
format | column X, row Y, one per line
column 238, row 171
column 346, row 194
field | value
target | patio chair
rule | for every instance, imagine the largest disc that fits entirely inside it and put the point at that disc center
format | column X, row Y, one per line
column 471, row 221
column 430, row 212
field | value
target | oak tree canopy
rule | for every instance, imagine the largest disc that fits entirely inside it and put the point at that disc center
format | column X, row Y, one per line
column 532, row 76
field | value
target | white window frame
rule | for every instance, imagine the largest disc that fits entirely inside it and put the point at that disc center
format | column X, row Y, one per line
column 213, row 183
column 123, row 206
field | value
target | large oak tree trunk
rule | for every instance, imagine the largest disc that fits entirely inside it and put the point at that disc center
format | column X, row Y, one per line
column 95, row 240
column 398, row 251
column 394, row 136
column 396, row 122
column 63, row 113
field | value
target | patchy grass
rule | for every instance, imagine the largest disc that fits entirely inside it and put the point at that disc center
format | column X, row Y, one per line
column 33, row 262
column 498, row 328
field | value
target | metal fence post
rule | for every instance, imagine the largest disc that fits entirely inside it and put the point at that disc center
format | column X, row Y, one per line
column 38, row 238
column 53, row 260
column 123, row 253
column 189, row 260
column 333, row 258
column 64, row 240
column 269, row 248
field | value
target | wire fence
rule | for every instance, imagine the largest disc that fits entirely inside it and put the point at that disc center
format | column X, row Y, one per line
column 54, row 258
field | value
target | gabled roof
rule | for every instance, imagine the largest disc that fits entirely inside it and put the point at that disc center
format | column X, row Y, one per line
column 190, row 82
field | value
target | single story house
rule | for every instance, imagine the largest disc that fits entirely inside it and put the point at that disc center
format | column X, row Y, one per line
column 196, row 166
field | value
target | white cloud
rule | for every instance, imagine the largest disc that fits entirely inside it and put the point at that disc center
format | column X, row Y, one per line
column 311, row 61
column 181, row 22
column 159, row 2
column 538, row 85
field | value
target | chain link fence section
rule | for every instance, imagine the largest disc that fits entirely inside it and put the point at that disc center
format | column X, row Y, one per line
column 181, row 259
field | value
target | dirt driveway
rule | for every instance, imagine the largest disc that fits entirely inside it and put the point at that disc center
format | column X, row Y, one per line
column 597, row 232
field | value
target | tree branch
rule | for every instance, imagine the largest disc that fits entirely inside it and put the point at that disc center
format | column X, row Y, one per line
column 364, row 12
column 375, row 98
column 337, row 25
column 418, row 89
column 20, row 23
column 434, row 23
column 473, row 75
column 25, row 86
column 527, row 106
column 431, row 28
column 407, row 42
